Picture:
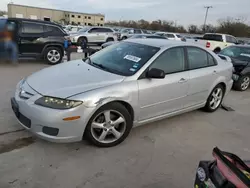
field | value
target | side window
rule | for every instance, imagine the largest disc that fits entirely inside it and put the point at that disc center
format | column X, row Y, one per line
column 170, row 36
column 211, row 60
column 32, row 28
column 106, row 30
column 197, row 58
column 137, row 31
column 95, row 30
column 228, row 39
column 52, row 30
column 233, row 40
column 170, row 61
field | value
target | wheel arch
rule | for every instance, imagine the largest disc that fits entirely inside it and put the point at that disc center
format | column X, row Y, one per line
column 52, row 45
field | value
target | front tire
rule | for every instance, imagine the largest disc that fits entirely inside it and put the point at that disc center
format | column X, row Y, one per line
column 53, row 55
column 215, row 99
column 242, row 84
column 109, row 126
column 81, row 40
column 124, row 38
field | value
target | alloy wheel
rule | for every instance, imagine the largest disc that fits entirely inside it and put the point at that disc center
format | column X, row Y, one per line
column 108, row 126
column 216, row 98
column 53, row 56
column 245, row 83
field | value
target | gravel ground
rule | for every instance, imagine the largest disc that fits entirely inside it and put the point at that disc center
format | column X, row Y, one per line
column 157, row 155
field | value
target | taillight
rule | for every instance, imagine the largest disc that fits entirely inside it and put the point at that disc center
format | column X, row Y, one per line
column 208, row 45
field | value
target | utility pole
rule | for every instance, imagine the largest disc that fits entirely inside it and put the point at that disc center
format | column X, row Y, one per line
column 207, row 8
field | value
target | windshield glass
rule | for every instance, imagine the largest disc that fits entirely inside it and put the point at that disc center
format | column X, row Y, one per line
column 240, row 53
column 123, row 58
column 83, row 29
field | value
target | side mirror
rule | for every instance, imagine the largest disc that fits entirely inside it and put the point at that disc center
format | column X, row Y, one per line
column 155, row 73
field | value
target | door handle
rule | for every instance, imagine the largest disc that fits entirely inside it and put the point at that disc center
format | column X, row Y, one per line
column 182, row 80
column 214, row 71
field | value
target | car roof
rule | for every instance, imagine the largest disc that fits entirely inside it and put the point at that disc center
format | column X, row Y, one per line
column 36, row 21
column 161, row 43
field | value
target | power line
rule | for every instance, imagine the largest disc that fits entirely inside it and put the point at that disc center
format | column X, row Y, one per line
column 207, row 8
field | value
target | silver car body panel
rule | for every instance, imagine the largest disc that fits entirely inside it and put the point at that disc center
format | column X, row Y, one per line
column 150, row 99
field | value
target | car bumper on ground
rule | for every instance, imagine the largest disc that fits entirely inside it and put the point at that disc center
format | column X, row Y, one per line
column 48, row 123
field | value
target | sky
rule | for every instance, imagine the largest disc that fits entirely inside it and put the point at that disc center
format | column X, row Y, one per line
column 184, row 12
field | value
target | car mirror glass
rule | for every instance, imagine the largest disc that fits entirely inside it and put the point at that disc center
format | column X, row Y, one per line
column 155, row 73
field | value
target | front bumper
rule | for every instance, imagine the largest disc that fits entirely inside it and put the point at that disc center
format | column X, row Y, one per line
column 48, row 123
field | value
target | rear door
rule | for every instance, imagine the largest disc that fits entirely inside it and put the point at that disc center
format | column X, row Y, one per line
column 94, row 35
column 202, row 74
column 30, row 38
column 106, row 33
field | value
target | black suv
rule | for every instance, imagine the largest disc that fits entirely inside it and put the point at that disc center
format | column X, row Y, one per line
column 39, row 39
column 240, row 56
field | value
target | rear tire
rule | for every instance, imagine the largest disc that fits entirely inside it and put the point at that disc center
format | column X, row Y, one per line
column 217, row 50
column 53, row 55
column 109, row 39
column 242, row 84
column 215, row 99
column 124, row 38
column 81, row 40
column 102, row 131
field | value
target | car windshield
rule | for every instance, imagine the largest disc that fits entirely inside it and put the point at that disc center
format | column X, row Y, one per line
column 83, row 30
column 240, row 53
column 123, row 58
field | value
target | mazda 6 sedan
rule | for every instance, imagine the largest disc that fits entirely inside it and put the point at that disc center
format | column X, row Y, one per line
column 131, row 83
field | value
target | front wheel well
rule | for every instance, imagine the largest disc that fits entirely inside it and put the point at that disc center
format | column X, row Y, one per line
column 223, row 85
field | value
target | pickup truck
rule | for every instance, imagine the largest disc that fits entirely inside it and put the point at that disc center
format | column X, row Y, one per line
column 216, row 42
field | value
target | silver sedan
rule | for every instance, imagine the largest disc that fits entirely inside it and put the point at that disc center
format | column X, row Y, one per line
column 131, row 83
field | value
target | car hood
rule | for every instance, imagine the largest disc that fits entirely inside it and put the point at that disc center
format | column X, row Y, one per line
column 71, row 78
column 109, row 43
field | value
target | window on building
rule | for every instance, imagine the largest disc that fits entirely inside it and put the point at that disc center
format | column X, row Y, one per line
column 89, row 17
column 85, row 17
column 101, row 24
column 79, row 23
column 89, row 24
column 72, row 15
column 32, row 28
column 79, row 16
column 170, row 61
column 101, row 19
column 85, row 23
column 73, row 23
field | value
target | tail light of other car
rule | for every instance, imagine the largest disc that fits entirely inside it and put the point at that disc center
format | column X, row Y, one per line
column 208, row 44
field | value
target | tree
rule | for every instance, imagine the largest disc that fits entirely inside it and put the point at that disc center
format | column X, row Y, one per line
column 193, row 29
column 2, row 12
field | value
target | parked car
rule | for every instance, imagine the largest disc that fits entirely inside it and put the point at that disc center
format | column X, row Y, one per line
column 70, row 29
column 133, row 37
column 131, row 83
column 216, row 41
column 126, row 33
column 94, row 35
column 39, row 39
column 171, row 36
column 240, row 56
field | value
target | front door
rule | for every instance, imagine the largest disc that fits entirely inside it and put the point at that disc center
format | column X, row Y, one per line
column 31, row 38
column 162, row 96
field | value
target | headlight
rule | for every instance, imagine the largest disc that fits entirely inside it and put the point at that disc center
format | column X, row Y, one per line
column 21, row 82
column 57, row 103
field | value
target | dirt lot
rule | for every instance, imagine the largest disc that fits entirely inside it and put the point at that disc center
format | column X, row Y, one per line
column 158, row 155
